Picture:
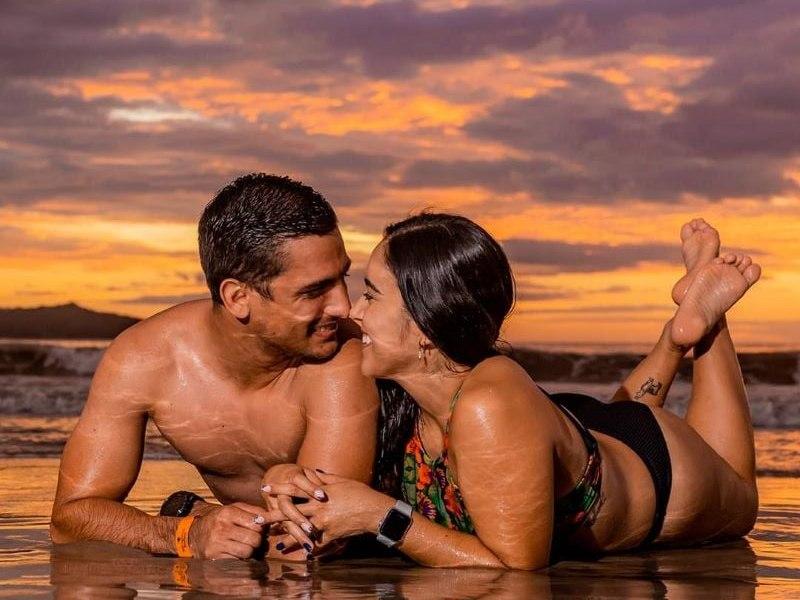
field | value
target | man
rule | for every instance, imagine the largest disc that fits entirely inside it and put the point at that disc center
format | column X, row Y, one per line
column 264, row 373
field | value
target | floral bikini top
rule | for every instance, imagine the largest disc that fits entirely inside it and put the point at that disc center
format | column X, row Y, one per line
column 430, row 489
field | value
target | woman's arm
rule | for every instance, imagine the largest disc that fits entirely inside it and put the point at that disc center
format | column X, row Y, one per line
column 504, row 451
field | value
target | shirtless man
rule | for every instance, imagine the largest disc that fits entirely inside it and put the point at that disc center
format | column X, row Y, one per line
column 264, row 373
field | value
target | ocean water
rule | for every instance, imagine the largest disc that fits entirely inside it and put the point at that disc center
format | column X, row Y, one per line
column 43, row 386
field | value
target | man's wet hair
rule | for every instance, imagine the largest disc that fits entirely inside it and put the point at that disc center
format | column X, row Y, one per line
column 243, row 228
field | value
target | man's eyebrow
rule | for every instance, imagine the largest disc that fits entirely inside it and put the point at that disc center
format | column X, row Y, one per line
column 371, row 285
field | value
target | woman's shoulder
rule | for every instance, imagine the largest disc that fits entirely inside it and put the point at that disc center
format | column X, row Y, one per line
column 498, row 388
column 499, row 374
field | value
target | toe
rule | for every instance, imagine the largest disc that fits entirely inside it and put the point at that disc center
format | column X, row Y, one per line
column 729, row 258
column 752, row 273
column 746, row 262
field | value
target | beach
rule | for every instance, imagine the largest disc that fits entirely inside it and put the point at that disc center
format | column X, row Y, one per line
column 766, row 564
column 43, row 386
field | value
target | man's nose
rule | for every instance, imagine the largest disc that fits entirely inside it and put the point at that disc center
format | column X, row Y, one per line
column 357, row 312
column 340, row 302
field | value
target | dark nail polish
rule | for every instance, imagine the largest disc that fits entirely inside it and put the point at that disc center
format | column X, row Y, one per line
column 307, row 547
column 280, row 546
column 309, row 556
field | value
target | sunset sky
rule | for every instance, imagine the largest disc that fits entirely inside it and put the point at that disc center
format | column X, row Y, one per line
column 581, row 134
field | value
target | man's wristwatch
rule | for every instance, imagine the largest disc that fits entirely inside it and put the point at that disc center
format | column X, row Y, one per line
column 395, row 524
column 179, row 504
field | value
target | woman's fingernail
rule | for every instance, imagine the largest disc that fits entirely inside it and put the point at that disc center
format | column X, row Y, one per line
column 258, row 519
column 319, row 495
column 266, row 488
column 280, row 546
column 307, row 547
column 306, row 527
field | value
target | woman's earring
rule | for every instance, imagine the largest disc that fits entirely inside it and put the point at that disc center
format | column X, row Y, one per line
column 421, row 353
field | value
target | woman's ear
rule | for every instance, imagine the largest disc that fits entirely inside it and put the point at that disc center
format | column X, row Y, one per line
column 236, row 298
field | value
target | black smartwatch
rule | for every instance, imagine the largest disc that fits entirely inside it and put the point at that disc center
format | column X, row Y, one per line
column 178, row 504
column 395, row 524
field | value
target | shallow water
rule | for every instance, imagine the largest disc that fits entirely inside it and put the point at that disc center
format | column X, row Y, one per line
column 764, row 565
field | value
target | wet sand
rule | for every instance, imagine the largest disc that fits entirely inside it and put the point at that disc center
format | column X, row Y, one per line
column 764, row 565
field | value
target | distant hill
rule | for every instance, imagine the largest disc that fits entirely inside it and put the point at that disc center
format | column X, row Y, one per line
column 66, row 321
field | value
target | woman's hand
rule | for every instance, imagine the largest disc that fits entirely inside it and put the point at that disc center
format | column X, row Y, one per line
column 283, row 486
column 351, row 508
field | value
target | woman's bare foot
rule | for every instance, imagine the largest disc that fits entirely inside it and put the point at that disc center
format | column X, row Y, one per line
column 700, row 246
column 716, row 287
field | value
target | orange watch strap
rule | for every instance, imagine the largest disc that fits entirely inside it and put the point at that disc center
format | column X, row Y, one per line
column 182, row 537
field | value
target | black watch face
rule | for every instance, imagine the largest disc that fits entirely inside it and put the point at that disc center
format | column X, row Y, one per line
column 178, row 504
column 395, row 524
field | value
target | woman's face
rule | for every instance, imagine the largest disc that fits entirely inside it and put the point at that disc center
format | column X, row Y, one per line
column 391, row 339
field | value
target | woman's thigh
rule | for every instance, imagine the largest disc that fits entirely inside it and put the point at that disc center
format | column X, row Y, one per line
column 708, row 499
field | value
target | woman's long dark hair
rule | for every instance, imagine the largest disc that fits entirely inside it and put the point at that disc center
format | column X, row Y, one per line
column 457, row 286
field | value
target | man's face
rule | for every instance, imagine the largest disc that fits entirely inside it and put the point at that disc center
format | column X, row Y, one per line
column 308, row 298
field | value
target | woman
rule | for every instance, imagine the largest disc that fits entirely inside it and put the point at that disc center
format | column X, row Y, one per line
column 497, row 472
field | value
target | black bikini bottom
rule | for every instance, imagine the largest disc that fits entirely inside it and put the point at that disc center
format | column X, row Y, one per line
column 634, row 425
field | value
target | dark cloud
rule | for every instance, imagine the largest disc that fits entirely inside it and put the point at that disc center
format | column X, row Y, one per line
column 394, row 39
column 60, row 136
column 602, row 309
column 734, row 137
column 587, row 145
column 536, row 292
column 552, row 256
column 58, row 38
column 164, row 299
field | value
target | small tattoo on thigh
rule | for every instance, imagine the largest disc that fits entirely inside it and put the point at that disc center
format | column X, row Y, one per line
column 651, row 386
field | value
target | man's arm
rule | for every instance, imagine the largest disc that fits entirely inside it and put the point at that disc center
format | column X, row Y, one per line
column 341, row 409
column 102, row 458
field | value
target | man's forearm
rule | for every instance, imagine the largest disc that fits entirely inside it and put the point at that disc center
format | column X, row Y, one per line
column 110, row 521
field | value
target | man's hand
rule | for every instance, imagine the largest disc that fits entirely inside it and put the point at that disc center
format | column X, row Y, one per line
column 231, row 531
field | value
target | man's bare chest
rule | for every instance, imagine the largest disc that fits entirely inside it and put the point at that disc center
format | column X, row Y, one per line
column 229, row 434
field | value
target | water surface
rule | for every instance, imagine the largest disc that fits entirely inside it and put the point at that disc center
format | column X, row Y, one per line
column 764, row 565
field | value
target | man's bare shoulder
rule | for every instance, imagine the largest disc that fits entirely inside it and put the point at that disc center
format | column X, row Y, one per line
column 148, row 347
column 340, row 375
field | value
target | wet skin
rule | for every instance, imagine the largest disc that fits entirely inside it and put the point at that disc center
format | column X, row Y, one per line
column 513, row 452
column 226, row 387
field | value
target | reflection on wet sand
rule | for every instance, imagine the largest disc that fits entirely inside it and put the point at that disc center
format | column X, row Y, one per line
column 100, row 570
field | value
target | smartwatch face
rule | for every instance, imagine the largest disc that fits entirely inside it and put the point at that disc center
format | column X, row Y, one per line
column 395, row 525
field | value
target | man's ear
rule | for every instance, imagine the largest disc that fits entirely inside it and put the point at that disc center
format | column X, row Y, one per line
column 236, row 298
